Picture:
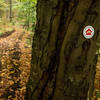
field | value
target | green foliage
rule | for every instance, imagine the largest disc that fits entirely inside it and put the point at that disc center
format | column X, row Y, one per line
column 2, row 6
column 27, row 13
column 23, row 13
column 98, row 94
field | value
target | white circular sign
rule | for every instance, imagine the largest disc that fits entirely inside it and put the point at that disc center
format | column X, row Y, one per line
column 88, row 32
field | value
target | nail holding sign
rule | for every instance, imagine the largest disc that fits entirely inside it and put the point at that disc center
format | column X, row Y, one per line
column 88, row 32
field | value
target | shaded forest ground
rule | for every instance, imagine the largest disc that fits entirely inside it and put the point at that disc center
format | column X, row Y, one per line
column 15, row 57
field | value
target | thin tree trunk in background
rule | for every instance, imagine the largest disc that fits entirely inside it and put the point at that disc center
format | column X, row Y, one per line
column 10, row 13
column 63, row 61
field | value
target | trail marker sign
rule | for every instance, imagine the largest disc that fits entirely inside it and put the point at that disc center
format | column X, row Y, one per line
column 88, row 32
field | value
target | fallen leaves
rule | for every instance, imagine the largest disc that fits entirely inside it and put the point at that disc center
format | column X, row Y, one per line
column 96, row 94
column 15, row 65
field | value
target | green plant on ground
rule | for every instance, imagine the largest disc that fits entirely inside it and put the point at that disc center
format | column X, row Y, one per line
column 98, row 94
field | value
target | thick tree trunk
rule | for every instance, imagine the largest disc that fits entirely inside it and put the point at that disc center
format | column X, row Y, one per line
column 63, row 61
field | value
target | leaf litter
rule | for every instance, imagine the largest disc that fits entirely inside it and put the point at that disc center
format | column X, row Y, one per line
column 15, row 58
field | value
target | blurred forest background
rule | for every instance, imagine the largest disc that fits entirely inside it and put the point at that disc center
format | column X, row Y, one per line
column 18, row 12
column 17, row 25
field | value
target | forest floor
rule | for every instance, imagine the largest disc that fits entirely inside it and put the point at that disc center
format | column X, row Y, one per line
column 15, row 57
column 96, row 95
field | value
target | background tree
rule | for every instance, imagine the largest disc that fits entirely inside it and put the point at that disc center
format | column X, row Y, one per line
column 10, row 13
column 63, row 61
column 23, row 12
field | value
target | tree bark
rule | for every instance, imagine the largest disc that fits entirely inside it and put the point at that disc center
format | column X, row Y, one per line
column 10, row 10
column 63, row 61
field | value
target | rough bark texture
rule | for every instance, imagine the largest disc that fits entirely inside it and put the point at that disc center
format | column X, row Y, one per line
column 63, row 61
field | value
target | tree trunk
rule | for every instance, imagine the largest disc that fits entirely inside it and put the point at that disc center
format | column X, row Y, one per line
column 10, row 11
column 63, row 61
